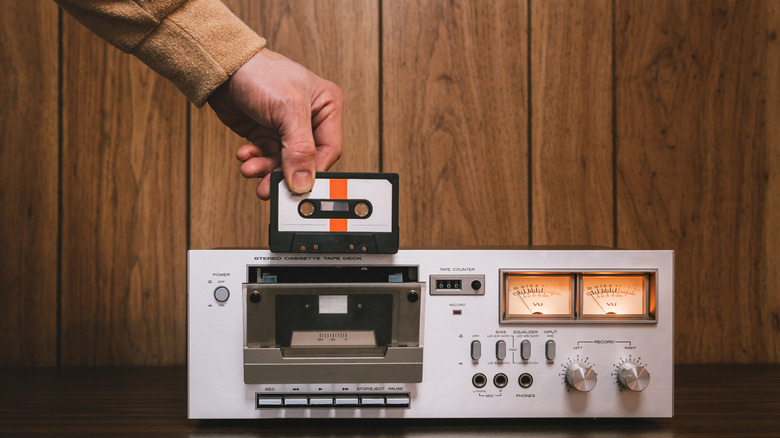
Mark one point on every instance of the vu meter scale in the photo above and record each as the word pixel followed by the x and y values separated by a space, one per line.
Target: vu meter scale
pixel 614 295
pixel 539 294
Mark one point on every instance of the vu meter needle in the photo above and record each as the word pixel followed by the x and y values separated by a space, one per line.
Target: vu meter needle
pixel 598 304
pixel 519 295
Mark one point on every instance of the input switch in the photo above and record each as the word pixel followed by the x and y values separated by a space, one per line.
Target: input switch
pixel 549 350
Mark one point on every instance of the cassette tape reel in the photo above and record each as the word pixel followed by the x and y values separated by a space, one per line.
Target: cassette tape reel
pixel 343 213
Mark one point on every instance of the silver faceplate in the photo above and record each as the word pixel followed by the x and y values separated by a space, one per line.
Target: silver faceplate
pixel 449 325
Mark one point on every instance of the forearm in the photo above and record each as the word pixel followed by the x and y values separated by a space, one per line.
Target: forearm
pixel 197 44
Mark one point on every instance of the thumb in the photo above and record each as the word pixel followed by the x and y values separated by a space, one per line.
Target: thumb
pixel 298 152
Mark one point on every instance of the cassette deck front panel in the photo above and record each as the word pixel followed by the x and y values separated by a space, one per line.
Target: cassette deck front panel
pixel 430 334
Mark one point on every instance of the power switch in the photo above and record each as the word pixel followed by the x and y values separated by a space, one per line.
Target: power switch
pixel 221 294
pixel 500 350
pixel 476 350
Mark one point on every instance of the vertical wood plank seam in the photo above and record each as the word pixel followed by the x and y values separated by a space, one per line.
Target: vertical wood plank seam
pixel 614 128
pixel 188 177
pixel 60 149
pixel 529 123
pixel 381 91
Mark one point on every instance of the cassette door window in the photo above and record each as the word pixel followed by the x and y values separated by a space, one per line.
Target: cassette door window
pixel 353 325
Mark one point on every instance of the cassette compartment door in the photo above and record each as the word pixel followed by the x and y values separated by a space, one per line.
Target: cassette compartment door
pixel 320 332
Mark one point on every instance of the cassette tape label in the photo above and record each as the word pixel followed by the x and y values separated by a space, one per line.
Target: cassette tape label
pixel 330 197
pixel 344 212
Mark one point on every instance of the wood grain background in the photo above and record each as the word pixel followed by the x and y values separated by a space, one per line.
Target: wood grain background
pixel 631 124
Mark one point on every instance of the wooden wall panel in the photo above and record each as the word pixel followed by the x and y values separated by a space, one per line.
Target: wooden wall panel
pixel 28 183
pixel 124 209
pixel 571 113
pixel 455 120
pixel 224 210
pixel 336 39
pixel 770 293
pixel 692 166
pixel 695 138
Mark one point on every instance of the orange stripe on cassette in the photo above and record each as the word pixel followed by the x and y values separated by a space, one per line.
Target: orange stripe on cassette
pixel 338 190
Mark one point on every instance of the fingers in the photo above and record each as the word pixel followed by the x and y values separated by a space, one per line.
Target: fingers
pixel 328 148
pixel 326 157
pixel 327 123
pixel 292 117
pixel 311 132
pixel 258 161
pixel 264 188
pixel 298 150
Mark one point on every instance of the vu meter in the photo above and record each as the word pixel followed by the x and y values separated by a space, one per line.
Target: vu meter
pixel 607 295
pixel 528 296
pixel 580 296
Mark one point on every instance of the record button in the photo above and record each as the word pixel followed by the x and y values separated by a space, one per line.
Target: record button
pixel 269 401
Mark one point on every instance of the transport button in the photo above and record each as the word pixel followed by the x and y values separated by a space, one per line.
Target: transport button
pixel 476 350
pixel 346 400
pixel 269 402
pixel 372 400
pixel 320 401
pixel 500 350
pixel 525 349
pixel 398 401
pixel 296 401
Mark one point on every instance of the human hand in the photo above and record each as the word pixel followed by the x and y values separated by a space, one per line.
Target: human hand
pixel 291 116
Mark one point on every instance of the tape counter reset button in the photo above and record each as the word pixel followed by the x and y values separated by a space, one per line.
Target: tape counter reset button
pixel 221 294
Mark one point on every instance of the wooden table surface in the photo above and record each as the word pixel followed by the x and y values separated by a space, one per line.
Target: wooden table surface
pixel 710 400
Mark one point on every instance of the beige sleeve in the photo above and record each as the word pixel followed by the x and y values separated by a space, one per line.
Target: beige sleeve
pixel 197 44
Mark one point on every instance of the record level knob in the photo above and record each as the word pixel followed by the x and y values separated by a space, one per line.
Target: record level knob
pixel 634 377
pixel 581 377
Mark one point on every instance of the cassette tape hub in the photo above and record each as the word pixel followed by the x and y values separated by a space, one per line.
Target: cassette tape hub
pixel 430 334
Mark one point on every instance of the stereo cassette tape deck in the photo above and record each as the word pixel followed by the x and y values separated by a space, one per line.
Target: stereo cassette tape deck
pixel 430 333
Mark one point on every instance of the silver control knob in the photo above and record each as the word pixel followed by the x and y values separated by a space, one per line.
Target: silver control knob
pixel 581 377
pixel 634 377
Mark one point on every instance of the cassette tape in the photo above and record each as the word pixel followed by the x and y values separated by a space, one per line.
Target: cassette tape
pixel 343 213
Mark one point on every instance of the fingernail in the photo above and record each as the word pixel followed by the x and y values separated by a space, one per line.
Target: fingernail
pixel 302 182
